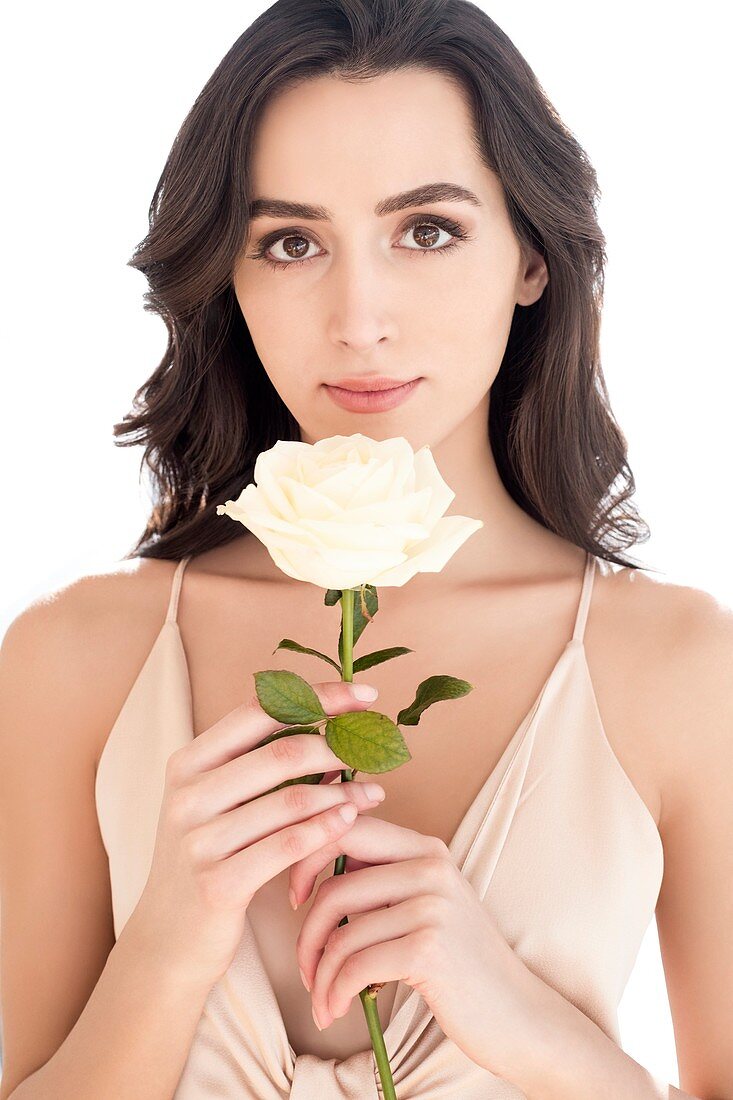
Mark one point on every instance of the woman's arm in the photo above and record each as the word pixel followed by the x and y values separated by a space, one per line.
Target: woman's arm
pixel 132 1038
pixel 82 1017
pixel 695 906
pixel 573 1059
pixel 576 1059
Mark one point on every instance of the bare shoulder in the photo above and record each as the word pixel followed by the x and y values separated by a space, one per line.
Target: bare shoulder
pixel 678 664
pixel 87 599
pixel 86 641
pixel 688 633
pixel 671 620
pixel 700 686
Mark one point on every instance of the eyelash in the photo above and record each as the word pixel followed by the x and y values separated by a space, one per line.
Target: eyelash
pixel 457 231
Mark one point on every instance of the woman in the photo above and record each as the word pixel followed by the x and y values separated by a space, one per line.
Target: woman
pixel 503 888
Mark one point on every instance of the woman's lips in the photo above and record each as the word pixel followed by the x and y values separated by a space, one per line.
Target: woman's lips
pixel 372 400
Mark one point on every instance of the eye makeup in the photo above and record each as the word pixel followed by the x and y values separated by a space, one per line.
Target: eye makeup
pixel 456 230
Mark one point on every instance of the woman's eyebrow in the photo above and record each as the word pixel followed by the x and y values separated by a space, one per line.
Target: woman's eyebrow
pixel 417 196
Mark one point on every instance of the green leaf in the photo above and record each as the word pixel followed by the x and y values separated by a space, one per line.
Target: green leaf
pixel 366 605
pixel 287 697
pixel 367 740
pixel 378 657
pixel 333 595
pixel 430 691
pixel 288 643
pixel 315 777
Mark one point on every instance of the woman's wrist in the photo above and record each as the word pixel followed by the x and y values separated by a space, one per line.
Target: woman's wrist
pixel 145 946
pixel 564 1055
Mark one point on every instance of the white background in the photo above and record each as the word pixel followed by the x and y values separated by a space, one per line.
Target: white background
pixel 92 99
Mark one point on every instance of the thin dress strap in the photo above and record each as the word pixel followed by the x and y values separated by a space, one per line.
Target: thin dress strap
pixel 171 617
pixel 585 595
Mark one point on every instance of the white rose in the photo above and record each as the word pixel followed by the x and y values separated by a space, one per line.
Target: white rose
pixel 351 510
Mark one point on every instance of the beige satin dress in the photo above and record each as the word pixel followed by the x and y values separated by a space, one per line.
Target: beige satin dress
pixel 558 844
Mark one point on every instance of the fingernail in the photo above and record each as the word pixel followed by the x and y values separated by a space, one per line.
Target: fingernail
pixel 374 791
pixel 304 979
pixel 291 895
pixel 315 1019
pixel 365 692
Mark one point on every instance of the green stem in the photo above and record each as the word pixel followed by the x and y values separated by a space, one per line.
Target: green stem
pixel 367 996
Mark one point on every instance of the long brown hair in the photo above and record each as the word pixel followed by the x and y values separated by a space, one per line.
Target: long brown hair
pixel 209 407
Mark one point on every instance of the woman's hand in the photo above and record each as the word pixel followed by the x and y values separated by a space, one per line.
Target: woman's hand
pixel 226 827
pixel 413 917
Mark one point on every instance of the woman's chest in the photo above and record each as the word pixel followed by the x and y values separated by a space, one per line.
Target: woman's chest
pixel 454 749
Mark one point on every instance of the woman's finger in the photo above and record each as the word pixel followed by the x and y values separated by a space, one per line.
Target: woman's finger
pixel 377 927
pixel 361 893
pixel 386 961
pixel 370 840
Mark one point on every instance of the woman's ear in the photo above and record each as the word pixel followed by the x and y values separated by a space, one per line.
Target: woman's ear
pixel 533 278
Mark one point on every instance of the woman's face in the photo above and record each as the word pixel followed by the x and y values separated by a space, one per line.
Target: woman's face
pixel 427 290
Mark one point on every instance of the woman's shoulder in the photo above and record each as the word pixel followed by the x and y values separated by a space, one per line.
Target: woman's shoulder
pixel 653 610
pixel 82 643
pixel 700 684
pixel 678 671
pixel 96 606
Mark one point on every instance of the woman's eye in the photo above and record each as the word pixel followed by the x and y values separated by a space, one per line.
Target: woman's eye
pixel 424 234
pixel 296 249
